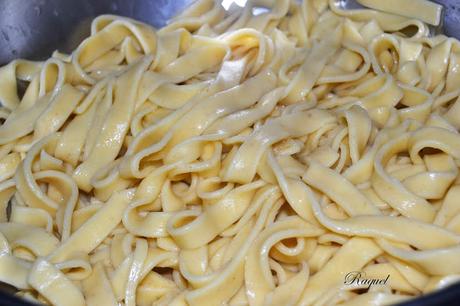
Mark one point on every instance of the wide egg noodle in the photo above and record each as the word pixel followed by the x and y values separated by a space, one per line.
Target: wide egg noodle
pixel 245 156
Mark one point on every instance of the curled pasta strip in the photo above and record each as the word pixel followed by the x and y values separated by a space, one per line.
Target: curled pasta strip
pixel 429 12
pixel 155 139
pixel 310 71
pixel 209 188
pixel 362 171
pixel 52 77
pixel 331 275
pixel 32 216
pixel 258 279
pixel 259 199
pixel 115 126
pixel 23 236
pixel 78 241
pixel 108 181
pixel 263 22
pixel 350 64
pixel 230 279
pixel 97 287
pixel 293 190
pixel 426 258
pixel 152 224
pixel 109 28
pixel 348 196
pixel 412 206
pixel 24 70
pixel 251 42
pixel 75 269
pixel 197 15
pixel 359 131
pixel 242 167
pixel 45 278
pixel 388 22
pixel 13 266
pixel 378 96
pixel 24 121
pixel 205 224
pixel 383 227
pixel 26 182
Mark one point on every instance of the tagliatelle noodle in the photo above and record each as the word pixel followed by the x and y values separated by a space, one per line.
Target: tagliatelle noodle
pixel 249 156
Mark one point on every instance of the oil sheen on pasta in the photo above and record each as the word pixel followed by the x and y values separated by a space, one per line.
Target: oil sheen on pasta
pixel 233 158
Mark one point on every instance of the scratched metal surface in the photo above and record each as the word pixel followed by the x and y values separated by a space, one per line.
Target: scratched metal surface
pixel 33 29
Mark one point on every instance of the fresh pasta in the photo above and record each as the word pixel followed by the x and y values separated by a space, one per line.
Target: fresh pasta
pixel 250 156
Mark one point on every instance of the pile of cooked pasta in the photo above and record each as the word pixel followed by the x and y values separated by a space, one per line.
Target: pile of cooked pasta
pixel 250 156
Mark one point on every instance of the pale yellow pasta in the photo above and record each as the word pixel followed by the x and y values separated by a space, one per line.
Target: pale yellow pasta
pixel 253 155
